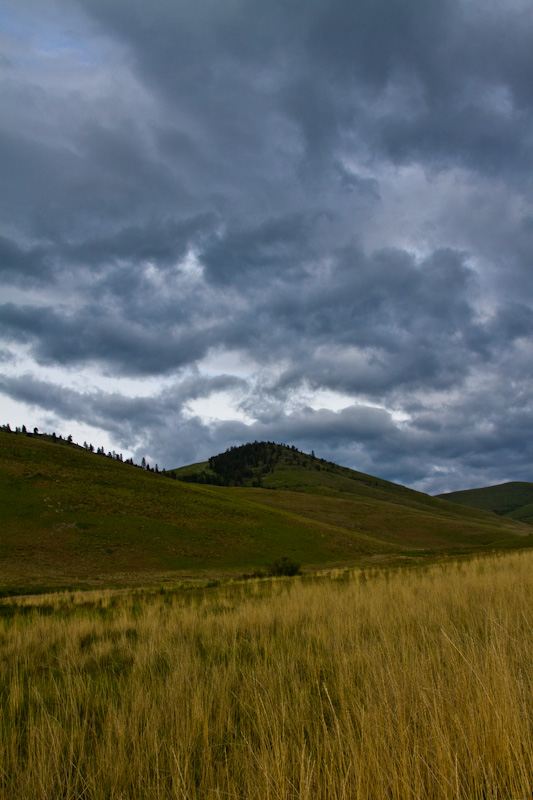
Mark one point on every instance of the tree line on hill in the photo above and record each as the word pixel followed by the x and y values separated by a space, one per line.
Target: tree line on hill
pixel 240 465
pixel 89 447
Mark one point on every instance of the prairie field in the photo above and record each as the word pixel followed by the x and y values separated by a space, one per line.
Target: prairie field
pixel 367 684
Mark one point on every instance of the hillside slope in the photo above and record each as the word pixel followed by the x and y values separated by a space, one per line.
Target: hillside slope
pixel 321 490
pixel 513 500
pixel 70 517
pixel 267 465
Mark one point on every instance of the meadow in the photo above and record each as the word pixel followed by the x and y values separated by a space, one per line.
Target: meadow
pixel 73 519
pixel 368 684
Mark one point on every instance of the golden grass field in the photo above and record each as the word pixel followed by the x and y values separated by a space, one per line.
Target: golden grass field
pixel 413 683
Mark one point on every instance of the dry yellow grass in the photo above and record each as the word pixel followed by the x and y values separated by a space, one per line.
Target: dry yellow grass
pixel 403 684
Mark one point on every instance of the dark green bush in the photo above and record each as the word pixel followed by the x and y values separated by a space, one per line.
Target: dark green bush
pixel 284 566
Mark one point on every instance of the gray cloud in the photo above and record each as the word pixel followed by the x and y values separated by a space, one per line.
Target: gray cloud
pixel 368 324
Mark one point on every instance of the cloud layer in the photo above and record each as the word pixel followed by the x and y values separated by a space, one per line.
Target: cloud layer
pixel 314 219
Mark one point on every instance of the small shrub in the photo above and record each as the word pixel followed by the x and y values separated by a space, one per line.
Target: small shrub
pixel 284 566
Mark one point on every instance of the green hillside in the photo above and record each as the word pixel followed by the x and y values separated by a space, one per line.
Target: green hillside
pixel 71 517
pixel 513 500
pixel 267 465
pixel 385 511
pixel 275 466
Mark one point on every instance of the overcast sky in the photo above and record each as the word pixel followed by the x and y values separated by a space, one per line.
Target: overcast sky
pixel 303 221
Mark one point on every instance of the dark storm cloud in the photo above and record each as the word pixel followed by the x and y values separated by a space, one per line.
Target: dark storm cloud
pixel 164 242
pixel 22 266
pixel 276 247
pixel 370 325
pixel 95 334
pixel 455 78
pixel 409 80
pixel 181 180
pixel 389 322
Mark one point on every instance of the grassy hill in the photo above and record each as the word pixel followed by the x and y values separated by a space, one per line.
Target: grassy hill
pixel 356 501
pixel 513 500
pixel 71 517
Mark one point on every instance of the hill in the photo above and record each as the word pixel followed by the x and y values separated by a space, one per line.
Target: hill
pixel 513 500
pixel 268 465
pixel 72 517
pixel 388 512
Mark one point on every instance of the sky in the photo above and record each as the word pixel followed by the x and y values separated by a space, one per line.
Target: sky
pixel 304 221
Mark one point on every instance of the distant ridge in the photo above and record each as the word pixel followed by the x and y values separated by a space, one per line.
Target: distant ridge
pixel 513 499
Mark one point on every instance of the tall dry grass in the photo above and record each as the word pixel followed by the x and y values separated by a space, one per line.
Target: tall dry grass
pixel 403 684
